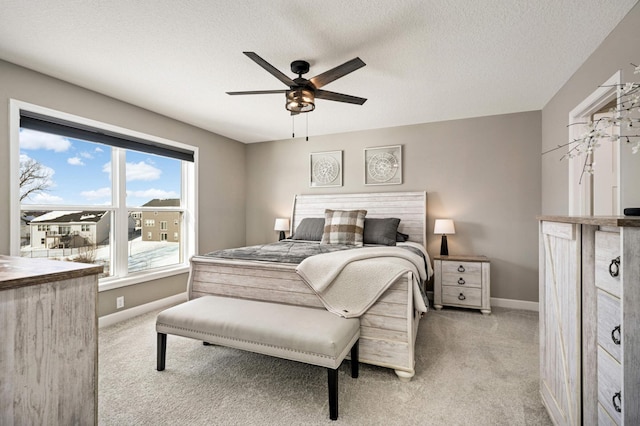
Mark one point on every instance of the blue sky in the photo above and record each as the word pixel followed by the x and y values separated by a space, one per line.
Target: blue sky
pixel 80 172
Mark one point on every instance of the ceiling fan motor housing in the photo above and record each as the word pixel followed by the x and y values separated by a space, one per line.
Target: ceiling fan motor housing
pixel 299 67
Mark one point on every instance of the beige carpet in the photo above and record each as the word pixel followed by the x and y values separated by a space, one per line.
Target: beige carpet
pixel 470 370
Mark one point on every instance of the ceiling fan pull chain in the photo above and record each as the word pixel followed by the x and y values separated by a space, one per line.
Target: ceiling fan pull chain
pixel 293 127
pixel 306 115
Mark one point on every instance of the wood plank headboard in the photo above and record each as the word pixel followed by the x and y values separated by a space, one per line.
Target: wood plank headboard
pixel 409 207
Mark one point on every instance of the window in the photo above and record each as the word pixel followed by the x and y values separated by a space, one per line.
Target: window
pixel 95 184
pixel 163 225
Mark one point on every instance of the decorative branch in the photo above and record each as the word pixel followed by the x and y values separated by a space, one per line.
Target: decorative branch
pixel 623 114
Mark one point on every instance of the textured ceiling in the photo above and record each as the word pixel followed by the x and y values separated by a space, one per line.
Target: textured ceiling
pixel 427 60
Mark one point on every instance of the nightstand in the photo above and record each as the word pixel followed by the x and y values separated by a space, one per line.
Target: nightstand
pixel 462 281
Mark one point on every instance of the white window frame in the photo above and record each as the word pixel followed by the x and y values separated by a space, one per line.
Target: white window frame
pixel 119 244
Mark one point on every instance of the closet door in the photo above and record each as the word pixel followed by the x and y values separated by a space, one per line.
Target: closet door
pixel 560 324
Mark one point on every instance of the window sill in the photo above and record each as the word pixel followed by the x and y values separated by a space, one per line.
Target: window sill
pixel 110 284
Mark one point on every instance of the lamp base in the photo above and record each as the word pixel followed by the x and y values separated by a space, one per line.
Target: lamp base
pixel 281 235
pixel 444 249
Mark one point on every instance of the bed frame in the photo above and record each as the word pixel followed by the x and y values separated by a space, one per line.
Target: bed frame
pixel 388 328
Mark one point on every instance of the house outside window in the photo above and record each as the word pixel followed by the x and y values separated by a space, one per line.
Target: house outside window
pixel 72 211
pixel 163 225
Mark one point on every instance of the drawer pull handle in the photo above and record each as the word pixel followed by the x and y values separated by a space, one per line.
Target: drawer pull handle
pixel 461 281
pixel 614 267
pixel 615 335
pixel 617 406
pixel 461 297
pixel 460 268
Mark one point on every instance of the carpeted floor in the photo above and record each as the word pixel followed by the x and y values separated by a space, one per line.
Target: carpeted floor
pixel 470 370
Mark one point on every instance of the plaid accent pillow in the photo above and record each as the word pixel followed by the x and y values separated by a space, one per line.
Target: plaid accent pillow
pixel 343 227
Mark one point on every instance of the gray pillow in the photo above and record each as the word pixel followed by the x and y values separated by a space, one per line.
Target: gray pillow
pixel 310 229
pixel 401 238
pixel 381 231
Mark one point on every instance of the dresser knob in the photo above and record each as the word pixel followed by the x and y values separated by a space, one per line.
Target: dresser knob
pixel 460 268
pixel 614 267
pixel 461 281
pixel 617 406
pixel 461 297
pixel 615 335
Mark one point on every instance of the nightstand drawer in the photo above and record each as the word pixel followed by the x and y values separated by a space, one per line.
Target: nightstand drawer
pixel 456 268
pixel 461 296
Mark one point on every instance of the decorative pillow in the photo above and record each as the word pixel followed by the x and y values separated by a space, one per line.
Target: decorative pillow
pixel 309 229
pixel 401 238
pixel 343 227
pixel 381 231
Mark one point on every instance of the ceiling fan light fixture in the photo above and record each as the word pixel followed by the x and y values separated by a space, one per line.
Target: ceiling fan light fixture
pixel 300 100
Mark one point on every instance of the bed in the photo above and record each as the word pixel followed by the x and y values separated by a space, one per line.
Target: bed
pixel 388 326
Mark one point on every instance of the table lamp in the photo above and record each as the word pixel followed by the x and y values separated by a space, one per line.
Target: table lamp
pixel 282 224
pixel 444 227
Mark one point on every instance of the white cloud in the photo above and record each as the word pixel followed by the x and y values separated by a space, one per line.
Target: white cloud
pixel 75 161
pixel 97 193
pixel 86 155
pixel 98 149
pixel 142 171
pixel 153 193
pixel 44 198
pixel 30 139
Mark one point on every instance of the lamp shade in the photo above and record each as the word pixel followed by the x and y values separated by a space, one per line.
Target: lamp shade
pixel 282 224
pixel 444 227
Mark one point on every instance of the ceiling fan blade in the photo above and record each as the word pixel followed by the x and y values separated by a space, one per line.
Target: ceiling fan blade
pixel 337 72
pixel 270 68
pixel 339 97
pixel 257 92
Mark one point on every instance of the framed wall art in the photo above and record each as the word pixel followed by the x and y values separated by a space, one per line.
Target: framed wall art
pixel 383 165
pixel 325 169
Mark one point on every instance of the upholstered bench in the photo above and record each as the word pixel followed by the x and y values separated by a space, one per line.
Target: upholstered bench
pixel 308 335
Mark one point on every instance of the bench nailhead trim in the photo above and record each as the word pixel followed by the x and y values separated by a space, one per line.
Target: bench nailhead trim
pixel 246 341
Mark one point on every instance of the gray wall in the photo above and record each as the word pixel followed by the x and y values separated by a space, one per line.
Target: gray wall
pixel 617 51
pixel 482 172
pixel 221 197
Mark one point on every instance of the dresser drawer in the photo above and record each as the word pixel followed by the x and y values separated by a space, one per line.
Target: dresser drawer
pixel 462 273
pixel 461 296
pixel 609 320
pixel 609 384
pixel 607 254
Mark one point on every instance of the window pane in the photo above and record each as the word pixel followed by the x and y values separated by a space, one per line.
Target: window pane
pixel 149 245
pixel 77 236
pixel 63 171
pixel 152 177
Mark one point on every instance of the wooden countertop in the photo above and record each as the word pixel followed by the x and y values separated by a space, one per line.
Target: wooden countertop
pixel 21 272
pixel 633 221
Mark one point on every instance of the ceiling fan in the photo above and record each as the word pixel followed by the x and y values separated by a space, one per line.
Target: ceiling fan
pixel 302 93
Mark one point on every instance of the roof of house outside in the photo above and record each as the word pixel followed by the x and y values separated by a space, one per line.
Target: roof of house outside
pixel 166 202
pixel 70 217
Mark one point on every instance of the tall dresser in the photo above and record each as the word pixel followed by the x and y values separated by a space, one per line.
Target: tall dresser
pixel 590 319
pixel 48 342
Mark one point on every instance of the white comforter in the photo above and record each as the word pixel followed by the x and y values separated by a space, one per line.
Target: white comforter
pixel 349 282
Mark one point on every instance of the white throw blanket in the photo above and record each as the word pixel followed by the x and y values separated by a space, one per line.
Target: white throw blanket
pixel 349 282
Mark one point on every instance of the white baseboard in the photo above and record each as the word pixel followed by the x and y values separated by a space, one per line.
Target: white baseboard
pixel 117 317
pixel 514 304
pixel 505 303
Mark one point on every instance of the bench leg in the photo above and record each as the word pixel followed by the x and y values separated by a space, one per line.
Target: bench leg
pixel 355 363
pixel 333 393
pixel 162 350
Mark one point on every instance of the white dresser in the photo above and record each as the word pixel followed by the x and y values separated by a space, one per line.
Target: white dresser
pixel 590 319
pixel 48 342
